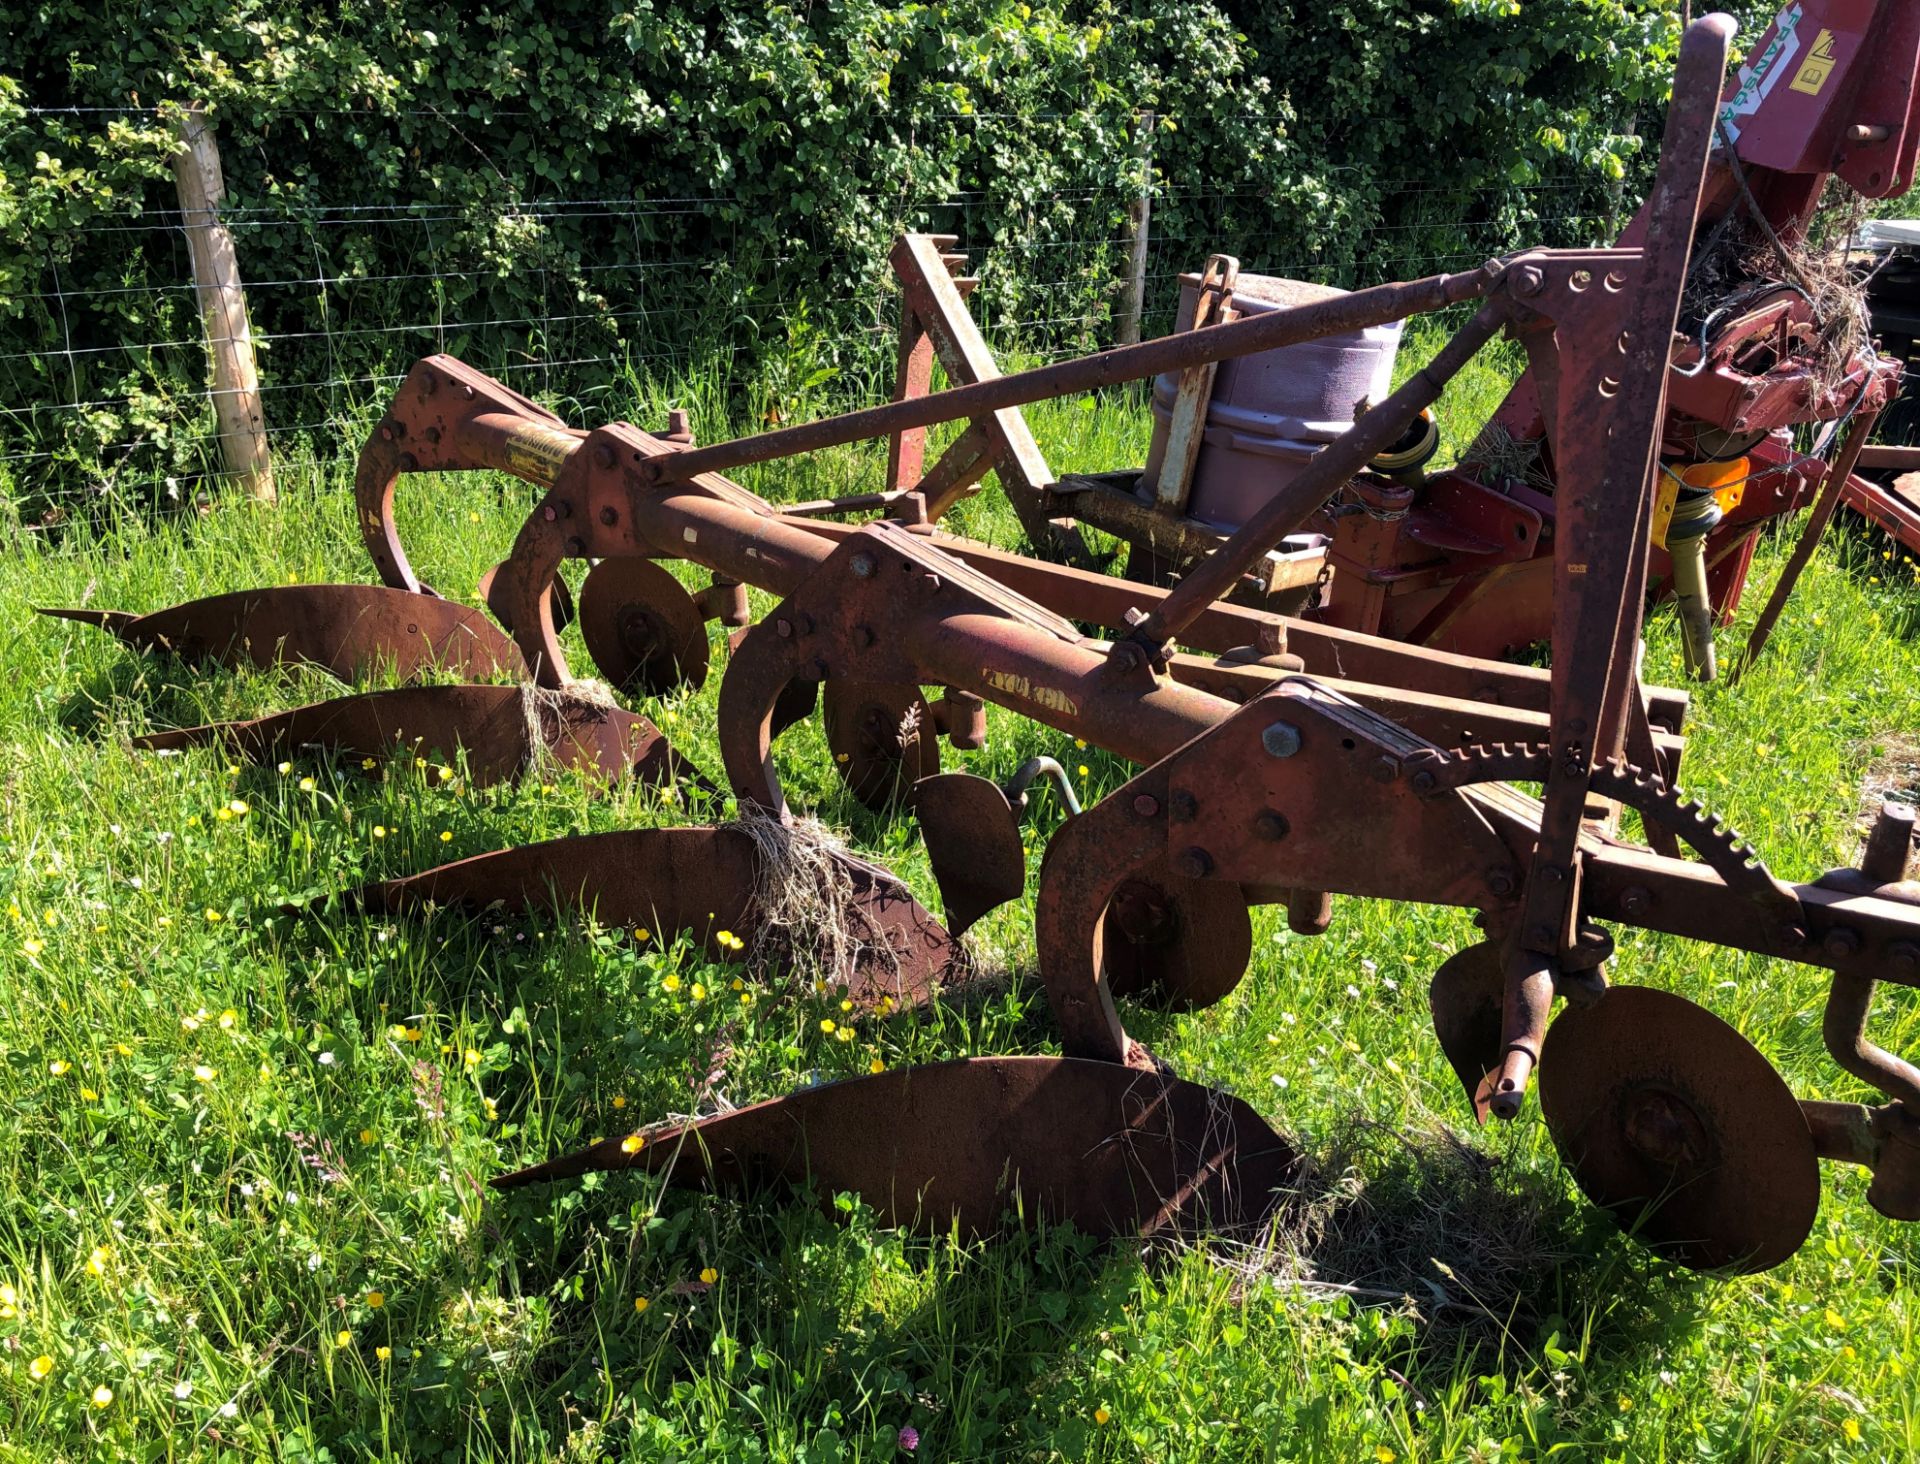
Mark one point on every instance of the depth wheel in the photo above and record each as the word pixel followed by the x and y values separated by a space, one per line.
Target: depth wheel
pixel 882 739
pixel 1676 1123
pixel 1178 943
pixel 642 628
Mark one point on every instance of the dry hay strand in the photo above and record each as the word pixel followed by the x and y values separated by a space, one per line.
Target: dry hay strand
pixel 1417 1220
pixel 545 713
pixel 804 899
pixel 1508 458
pixel 1743 259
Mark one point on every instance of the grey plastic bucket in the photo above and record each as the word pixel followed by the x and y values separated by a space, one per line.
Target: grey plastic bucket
pixel 1271 412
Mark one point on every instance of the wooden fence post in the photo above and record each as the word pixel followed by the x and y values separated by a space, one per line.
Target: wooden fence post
pixel 223 308
pixel 1133 301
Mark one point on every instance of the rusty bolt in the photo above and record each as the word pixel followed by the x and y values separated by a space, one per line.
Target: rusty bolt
pixel 1386 769
pixel 1500 881
pixel 1529 281
pixel 1125 656
pixel 1281 739
pixel 577 547
pixel 1146 805
pixel 609 515
pixel 863 566
pixel 1196 863
pixel 430 385
pixel 1424 781
pixel 1841 942
pixel 1270 825
pixel 1133 615
pixel 603 455
pixel 863 636
pixel 409 463
pixel 1635 901
pixel 556 509
pixel 783 627
pixel 1184 805
pixel 1903 958
pixel 386 432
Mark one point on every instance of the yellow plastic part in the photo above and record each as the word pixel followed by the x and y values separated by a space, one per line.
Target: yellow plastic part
pixel 1728 480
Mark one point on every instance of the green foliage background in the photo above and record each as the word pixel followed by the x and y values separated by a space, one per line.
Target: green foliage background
pixel 560 187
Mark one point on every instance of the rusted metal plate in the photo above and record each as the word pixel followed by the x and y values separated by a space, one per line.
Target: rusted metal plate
pixel 882 739
pixel 490 724
pixel 1466 997
pixel 1114 1150
pixel 1182 943
pixel 345 629
pixel 1675 1122
pixel 642 628
pixel 973 843
pixel 700 880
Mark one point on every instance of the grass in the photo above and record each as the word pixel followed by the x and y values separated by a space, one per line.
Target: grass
pixel 242 1153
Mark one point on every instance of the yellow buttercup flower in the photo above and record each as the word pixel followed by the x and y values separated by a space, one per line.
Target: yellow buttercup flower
pixel 446 836
pixel 876 1066
pixel 9 1300
pixel 33 947
pixel 619 1100
pixel 102 1396
pixel 698 992
pixel 203 1074
pixel 228 1018
pixel 1100 1415
pixel 376 1299
pixel 97 1261
pixel 826 1024
pixel 306 785
pixel 709 1275
pixel 640 1303
pixel 284 769
pixel 632 1144
pixel 342 1338
pixel 670 983
pixel 471 1058
pixel 383 1353
pixel 59 1067
pixel 41 1368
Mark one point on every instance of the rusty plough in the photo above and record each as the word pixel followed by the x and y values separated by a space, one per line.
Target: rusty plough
pixel 1281 761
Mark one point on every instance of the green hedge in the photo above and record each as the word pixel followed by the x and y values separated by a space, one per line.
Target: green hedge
pixel 562 182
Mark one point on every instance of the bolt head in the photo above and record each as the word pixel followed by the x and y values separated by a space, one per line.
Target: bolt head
pixel 783 628
pixel 864 566
pixel 1386 769
pixel 609 516
pixel 1281 739
pixel 1841 942
pixel 603 455
pixel 1500 881
pixel 1146 805
pixel 1194 864
pixel 1424 781
pixel 1636 901
pixel 863 636
pixel 1271 825
pixel 1185 805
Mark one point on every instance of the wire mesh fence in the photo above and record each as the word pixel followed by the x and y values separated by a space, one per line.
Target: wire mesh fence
pixel 106 388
